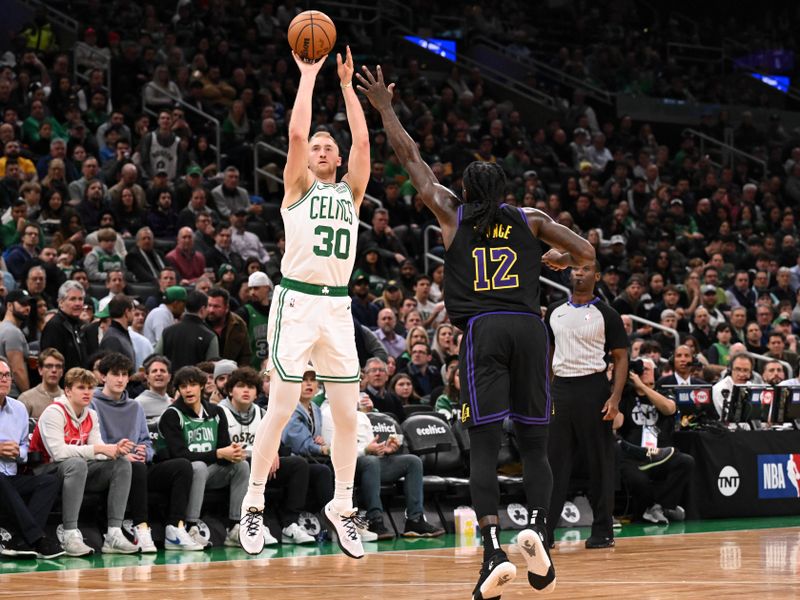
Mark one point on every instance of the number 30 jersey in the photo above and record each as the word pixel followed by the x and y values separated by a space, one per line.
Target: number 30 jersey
pixel 498 273
pixel 321 234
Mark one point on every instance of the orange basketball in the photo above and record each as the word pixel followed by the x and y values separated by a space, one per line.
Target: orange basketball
pixel 312 35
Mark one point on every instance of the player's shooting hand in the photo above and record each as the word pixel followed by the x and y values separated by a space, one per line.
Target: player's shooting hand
pixel 555 260
pixel 345 69
pixel 374 89
pixel 308 68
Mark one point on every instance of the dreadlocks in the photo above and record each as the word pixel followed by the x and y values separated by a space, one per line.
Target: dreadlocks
pixel 485 183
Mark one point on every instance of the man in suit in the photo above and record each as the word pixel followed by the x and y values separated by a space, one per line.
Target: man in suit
pixel 144 261
pixel 682 375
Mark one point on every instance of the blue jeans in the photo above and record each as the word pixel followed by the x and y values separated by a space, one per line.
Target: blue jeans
pixel 375 470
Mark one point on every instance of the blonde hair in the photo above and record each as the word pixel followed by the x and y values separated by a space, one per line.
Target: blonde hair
pixel 77 375
pixel 325 134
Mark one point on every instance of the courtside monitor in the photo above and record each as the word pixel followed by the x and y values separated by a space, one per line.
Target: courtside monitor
pixel 693 399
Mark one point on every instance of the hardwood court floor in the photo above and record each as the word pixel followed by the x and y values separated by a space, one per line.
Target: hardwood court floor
pixel 756 563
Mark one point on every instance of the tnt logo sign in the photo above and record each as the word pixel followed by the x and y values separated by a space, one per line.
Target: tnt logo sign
pixel 779 476
pixel 728 481
pixel 701 396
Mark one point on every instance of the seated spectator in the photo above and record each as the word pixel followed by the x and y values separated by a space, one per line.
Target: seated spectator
pixel 384 400
pixel 777 350
pixel 167 312
pixel 363 309
pixel 103 258
pixel 719 352
pixel 145 262
pixel 115 284
pixel 128 178
pixel 154 399
pixel 172 342
pixel 229 327
pixel 92 204
pixel 646 419
pixel 198 205
pixel 387 334
pixel 53 210
pixel 740 373
pixel 290 472
pixel 229 197
pixel 26 499
pixel 90 171
pixel 162 218
pixel 203 235
pixel 385 462
pixel 188 262
pixel 449 403
pixel 195 430
pixel 51 368
pixel 443 346
pixel 160 151
pixel 223 253
pixel 246 243
pixel 128 214
pixel 13 345
pixel 303 432
pixel 424 375
pixel 122 418
pixel 402 387
pixel 682 374
pixel 20 256
pixel 68 438
pixel 12 153
pixel 63 331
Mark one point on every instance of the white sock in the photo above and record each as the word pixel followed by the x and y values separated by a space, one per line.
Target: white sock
pixel 253 499
pixel 343 497
pixel 114 531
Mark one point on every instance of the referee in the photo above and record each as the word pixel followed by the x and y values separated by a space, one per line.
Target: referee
pixel 584 329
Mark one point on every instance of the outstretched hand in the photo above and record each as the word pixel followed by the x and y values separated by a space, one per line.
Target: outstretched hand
pixel 308 68
pixel 345 69
pixel 374 88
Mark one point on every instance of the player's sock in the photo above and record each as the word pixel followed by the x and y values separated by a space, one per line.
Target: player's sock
pixel 343 398
pixel 491 541
pixel 343 497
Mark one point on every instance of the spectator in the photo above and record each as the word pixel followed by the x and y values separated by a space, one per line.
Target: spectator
pixel 13 345
pixel 144 262
pixel 173 341
pixel 449 403
pixel 166 314
pixel 102 259
pixel 303 433
pixel 154 399
pixel 203 235
pixel 383 400
pixel 740 372
pixel 381 235
pixel 63 331
pixel 245 243
pixel 364 310
pixel 229 197
pixel 162 218
pixel 93 204
pixel 51 369
pixel 115 284
pixel 424 376
pixel 21 256
pixel 216 461
pixel 719 352
pixel 682 374
pixel 291 472
pixel 255 314
pixel 197 206
pixel 90 170
pixel 68 438
pixel 432 313
pixel 117 338
pixel 223 253
pixel 27 519
pixel 776 344
pixel 387 334
pixel 188 262
pixel 229 327
pixel 160 150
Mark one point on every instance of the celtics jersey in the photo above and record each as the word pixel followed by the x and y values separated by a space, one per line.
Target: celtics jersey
pixel 200 434
pixel 257 325
pixel 321 234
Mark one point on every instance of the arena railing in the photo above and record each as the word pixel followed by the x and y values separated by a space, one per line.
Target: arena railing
pixel 259 171
pixel 727 151
pixel 53 14
pixel 538 66
pixel 82 73
pixel 186 106
pixel 766 359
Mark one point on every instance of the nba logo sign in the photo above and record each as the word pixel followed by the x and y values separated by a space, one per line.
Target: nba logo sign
pixel 778 476
pixel 701 396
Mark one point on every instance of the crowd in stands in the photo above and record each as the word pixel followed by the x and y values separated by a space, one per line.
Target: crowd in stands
pixel 122 237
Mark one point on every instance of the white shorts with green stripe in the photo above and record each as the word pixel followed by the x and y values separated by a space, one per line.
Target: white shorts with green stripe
pixel 305 327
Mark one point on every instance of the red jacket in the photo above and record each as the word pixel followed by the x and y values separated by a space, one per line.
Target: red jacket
pixel 189 268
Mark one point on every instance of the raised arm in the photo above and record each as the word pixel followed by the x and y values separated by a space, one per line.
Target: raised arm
pixel 296 176
pixel 358 165
pixel 442 202
pixel 569 249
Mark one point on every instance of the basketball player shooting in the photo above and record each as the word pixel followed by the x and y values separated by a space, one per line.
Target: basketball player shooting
pixel 493 258
pixel 310 316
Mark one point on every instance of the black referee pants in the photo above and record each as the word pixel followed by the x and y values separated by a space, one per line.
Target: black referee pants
pixel 578 433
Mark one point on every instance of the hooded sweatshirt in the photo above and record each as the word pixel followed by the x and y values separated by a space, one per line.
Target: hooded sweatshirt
pixel 61 434
pixel 122 419
pixel 153 404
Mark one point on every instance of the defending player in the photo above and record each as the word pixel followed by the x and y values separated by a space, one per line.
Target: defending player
pixel 492 262
pixel 310 314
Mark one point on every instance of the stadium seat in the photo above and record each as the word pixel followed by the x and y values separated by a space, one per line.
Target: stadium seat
pixel 142 290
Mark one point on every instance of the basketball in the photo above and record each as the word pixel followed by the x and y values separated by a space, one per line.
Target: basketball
pixel 312 35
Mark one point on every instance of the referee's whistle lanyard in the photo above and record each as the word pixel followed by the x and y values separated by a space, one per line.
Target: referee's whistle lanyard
pixel 594 300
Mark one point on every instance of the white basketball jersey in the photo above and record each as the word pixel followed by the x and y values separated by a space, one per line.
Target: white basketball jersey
pixel 321 234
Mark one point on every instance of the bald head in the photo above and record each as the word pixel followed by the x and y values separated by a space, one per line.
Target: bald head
pixel 185 239
pixel 387 321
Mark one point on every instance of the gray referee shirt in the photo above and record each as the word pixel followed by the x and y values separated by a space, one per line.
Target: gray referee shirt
pixel 582 335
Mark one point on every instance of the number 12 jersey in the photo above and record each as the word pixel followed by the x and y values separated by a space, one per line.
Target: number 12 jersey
pixel 321 234
pixel 498 273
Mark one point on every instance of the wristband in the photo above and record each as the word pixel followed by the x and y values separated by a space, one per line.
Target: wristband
pixel 346 85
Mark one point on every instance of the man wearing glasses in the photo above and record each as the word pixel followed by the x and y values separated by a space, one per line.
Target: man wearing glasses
pixel 51 369
pixel 20 256
pixel 740 372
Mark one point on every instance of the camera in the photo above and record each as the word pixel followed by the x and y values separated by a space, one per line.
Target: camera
pixel 636 366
